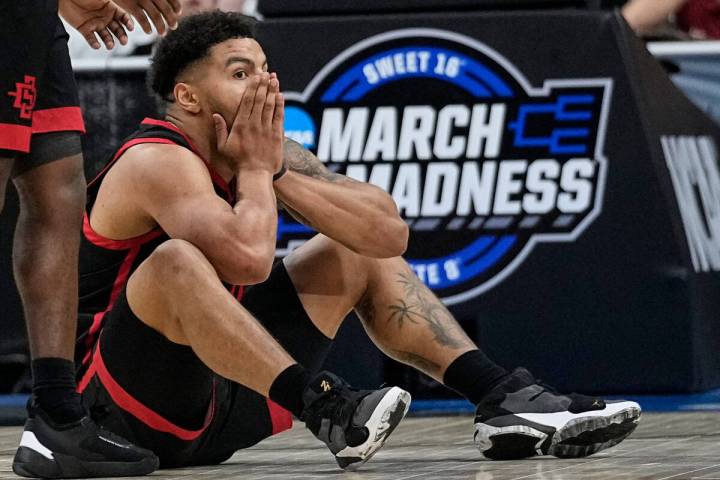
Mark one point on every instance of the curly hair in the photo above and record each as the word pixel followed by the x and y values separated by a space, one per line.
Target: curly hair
pixel 190 42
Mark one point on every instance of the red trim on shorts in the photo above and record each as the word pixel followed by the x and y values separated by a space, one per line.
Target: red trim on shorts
pixel 96 239
pixel 89 374
pixel 216 178
pixel 62 119
pixel 281 418
pixel 15 137
pixel 120 280
pixel 147 416
pixel 123 149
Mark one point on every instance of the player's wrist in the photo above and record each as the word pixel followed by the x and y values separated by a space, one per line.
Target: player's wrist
pixel 280 173
pixel 259 173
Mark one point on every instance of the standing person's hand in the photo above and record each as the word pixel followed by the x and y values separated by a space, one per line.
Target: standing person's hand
pixel 255 138
pixel 93 18
pixel 161 12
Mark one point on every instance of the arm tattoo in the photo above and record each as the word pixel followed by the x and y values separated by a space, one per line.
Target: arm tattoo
pixel 300 160
pixel 419 306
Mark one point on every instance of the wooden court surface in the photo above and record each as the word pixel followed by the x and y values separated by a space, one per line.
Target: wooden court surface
pixel 665 446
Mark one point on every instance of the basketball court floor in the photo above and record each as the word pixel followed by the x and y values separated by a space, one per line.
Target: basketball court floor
pixel 664 446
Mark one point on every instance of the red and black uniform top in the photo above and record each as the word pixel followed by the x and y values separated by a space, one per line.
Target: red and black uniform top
pixel 106 264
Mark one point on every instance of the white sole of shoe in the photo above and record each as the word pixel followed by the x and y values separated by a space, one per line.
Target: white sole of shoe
pixel 387 415
pixel 562 434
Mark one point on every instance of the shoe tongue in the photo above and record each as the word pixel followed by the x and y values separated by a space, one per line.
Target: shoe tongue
pixel 324 382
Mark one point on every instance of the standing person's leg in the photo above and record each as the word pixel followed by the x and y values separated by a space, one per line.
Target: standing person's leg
pixel 59 439
pixel 515 418
pixel 51 194
pixel 45 259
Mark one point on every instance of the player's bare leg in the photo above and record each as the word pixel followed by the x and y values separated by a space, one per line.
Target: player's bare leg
pixel 45 253
pixel 410 324
pixel 401 315
pixel 177 292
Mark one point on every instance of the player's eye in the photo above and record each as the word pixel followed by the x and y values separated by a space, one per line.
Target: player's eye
pixel 242 75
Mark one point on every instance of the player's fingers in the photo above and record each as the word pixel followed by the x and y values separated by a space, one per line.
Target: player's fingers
pixel 167 12
pixel 246 103
pixel 139 15
pixel 221 130
pixel 117 29
pixel 273 83
pixel 155 16
pixel 176 5
pixel 90 38
pixel 279 116
pixel 107 39
pixel 125 20
pixel 269 107
pixel 260 96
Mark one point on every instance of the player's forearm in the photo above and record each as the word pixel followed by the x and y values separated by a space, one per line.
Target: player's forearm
pixel 360 216
pixel 256 215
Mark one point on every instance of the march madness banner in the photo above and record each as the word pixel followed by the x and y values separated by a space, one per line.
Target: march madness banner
pixel 560 191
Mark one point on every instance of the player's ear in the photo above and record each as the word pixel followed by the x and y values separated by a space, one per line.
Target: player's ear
pixel 186 97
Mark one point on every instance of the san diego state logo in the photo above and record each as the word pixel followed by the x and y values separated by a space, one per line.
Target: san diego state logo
pixel 482 165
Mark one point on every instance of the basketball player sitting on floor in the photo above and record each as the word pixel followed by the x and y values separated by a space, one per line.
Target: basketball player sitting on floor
pixel 180 358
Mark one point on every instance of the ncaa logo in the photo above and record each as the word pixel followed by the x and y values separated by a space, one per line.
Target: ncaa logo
pixel 482 165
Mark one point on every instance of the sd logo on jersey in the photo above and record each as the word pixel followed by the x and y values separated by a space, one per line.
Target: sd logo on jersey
pixel 481 164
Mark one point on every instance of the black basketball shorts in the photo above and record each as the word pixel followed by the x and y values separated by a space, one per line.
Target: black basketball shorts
pixel 159 395
pixel 37 87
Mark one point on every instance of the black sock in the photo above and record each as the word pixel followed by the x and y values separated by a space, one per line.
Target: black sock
pixel 287 389
pixel 473 375
pixel 54 389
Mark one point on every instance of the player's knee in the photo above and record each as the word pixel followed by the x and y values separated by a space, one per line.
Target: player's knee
pixel 178 259
pixel 61 212
pixel 57 194
pixel 346 261
pixel 352 261
pixel 72 193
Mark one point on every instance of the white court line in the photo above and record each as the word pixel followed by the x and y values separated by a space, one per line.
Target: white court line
pixel 691 471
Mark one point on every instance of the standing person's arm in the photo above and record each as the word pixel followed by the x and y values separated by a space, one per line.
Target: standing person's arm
pixel 105 18
pixel 97 18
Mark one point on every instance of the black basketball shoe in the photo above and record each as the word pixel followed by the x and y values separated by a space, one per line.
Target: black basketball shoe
pixel 79 449
pixel 520 418
pixel 353 423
